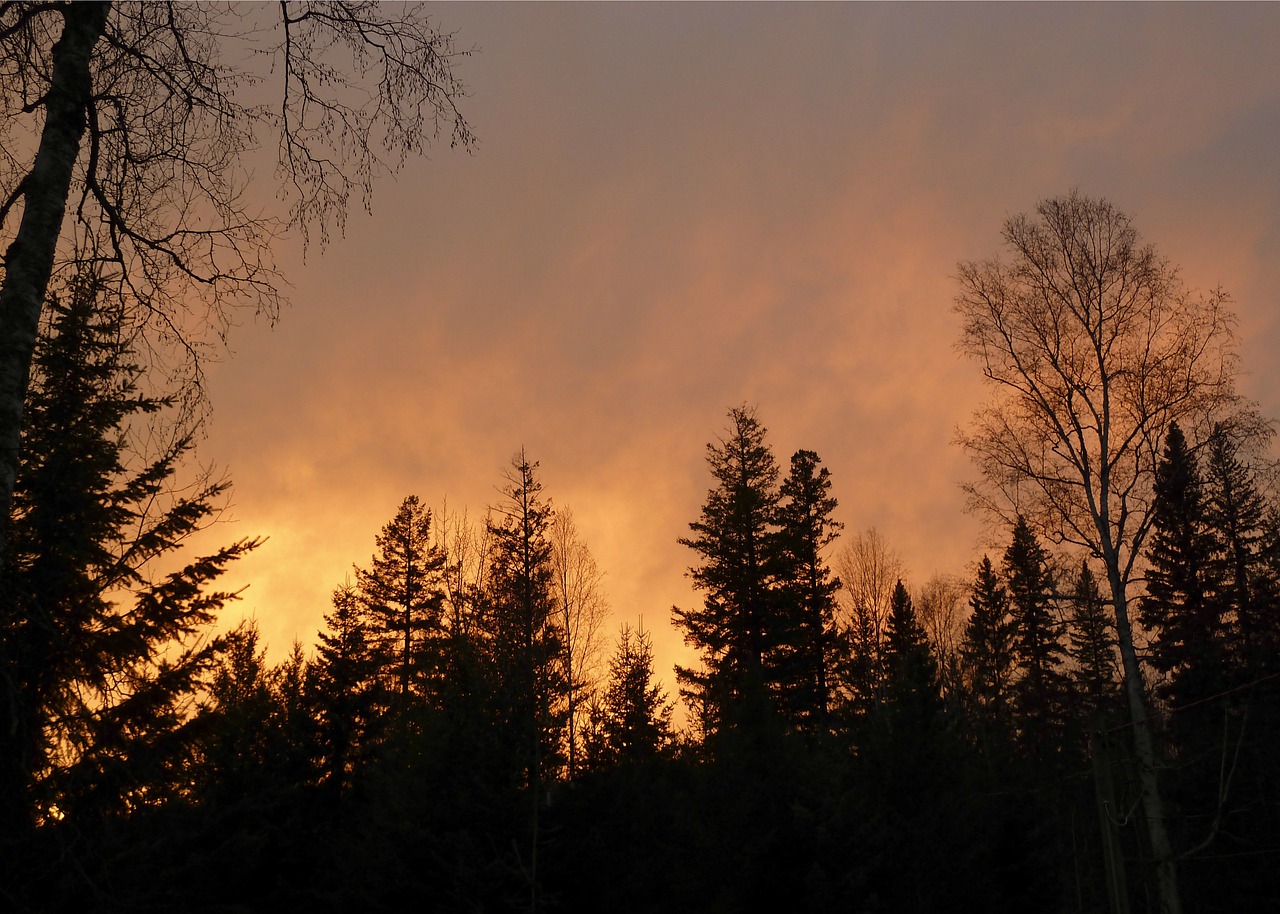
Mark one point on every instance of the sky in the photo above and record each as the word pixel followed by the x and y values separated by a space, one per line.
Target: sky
pixel 674 209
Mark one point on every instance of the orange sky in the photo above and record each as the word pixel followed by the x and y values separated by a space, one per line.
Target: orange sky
pixel 674 209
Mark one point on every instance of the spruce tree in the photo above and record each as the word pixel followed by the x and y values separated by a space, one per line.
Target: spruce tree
pixel 102 655
pixel 987 649
pixel 346 692
pixel 860 666
pixel 1095 676
pixel 524 640
pixel 238 723
pixel 910 665
pixel 1208 609
pixel 296 744
pixel 1039 691
pixel 1245 721
pixel 403 594
pixel 631 720
pixel 807 592
pixel 1182 609
pixel 738 630
pixel 1235 514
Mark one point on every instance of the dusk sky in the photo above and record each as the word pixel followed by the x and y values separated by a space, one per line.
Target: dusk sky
pixel 676 209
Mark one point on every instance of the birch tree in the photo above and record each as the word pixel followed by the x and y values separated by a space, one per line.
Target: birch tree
pixel 869 568
pixel 1092 347
pixel 583 609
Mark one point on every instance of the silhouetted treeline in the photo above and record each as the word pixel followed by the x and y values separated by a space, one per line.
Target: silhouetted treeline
pixel 455 742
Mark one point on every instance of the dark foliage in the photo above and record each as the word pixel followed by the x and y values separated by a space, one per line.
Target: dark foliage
pixel 414 761
pixel 812 648
pixel 738 630
pixel 1040 689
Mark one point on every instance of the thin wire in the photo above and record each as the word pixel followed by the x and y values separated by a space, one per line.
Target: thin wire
pixel 1200 701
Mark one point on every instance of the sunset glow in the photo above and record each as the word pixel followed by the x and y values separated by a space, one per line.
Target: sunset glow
pixel 676 209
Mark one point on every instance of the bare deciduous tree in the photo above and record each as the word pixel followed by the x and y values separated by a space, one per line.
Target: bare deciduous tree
pixel 583 610
pixel 466 549
pixel 125 131
pixel 940 604
pixel 869 569
pixel 1094 347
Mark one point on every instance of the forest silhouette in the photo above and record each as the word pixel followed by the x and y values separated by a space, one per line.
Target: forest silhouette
pixel 935 750
pixel 1087 722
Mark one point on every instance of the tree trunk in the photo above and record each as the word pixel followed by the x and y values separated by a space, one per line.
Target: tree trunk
pixel 28 264
pixel 1144 751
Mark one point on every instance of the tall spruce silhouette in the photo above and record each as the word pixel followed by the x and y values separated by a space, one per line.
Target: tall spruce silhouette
pixel 403 594
pixel 807 592
pixel 346 691
pixel 738 628
pixel 912 683
pixel 987 652
pixel 524 639
pixel 1095 673
pixel 1182 608
pixel 630 720
pixel 1237 517
pixel 1039 691
pixel 103 652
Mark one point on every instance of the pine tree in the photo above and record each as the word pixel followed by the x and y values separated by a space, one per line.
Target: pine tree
pixel 402 591
pixel 238 723
pixel 297 730
pixel 1182 609
pixel 1039 691
pixel 859 667
pixel 1095 676
pixel 101 656
pixel 346 692
pixel 987 649
pixel 808 588
pixel 1208 608
pixel 910 666
pixel 1235 514
pixel 631 721
pixel 524 638
pixel 737 630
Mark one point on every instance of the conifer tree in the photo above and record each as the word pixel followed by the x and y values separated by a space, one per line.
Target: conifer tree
pixel 255 738
pixel 1210 611
pixel 987 649
pixel 297 743
pixel 808 590
pixel 1236 516
pixel 631 721
pixel 238 723
pixel 524 638
pixel 1095 676
pixel 738 629
pixel 911 668
pixel 1182 609
pixel 345 691
pixel 99 655
pixel 402 592
pixel 1039 691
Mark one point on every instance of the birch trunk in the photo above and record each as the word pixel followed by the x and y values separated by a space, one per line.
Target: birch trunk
pixel 1144 749
pixel 28 263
